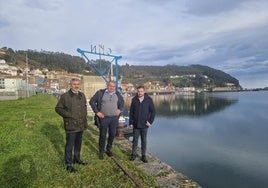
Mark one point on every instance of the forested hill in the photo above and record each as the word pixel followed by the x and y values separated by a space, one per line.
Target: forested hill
pixel 182 75
pixel 44 59
pixel 196 75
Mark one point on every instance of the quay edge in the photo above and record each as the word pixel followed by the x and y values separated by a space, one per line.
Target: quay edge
pixel 163 173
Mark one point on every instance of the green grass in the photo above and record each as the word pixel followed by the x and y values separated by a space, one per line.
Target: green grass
pixel 32 142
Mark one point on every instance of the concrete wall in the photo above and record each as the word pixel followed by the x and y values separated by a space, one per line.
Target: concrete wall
pixel 91 84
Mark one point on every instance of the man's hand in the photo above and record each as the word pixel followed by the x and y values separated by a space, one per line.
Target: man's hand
pixel 118 112
pixel 148 124
pixel 131 126
pixel 100 115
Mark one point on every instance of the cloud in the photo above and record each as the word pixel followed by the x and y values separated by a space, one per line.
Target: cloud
pixel 213 33
pixel 43 5
pixel 212 7
pixel 3 22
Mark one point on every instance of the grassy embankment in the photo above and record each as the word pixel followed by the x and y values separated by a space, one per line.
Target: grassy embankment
pixel 32 142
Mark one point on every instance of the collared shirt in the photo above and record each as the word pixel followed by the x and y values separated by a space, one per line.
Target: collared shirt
pixel 141 99
pixel 106 91
pixel 75 92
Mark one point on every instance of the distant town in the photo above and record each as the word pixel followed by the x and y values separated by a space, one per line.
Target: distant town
pixel 21 81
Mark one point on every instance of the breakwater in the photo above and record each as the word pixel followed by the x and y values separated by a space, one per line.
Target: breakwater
pixel 164 174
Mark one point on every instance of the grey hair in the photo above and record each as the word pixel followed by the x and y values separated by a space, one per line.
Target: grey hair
pixel 74 79
pixel 109 82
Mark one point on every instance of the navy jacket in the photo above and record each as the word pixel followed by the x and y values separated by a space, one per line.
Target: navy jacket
pixel 140 113
pixel 95 103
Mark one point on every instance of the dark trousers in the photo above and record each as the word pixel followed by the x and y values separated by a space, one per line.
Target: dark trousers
pixel 136 134
pixel 73 141
pixel 108 124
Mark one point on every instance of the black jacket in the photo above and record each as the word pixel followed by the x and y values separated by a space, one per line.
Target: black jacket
pixel 142 112
pixel 73 110
pixel 95 103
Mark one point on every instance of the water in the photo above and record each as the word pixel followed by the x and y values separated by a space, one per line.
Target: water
pixel 217 139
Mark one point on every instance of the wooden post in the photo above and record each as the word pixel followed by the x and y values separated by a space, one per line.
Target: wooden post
pixel 120 130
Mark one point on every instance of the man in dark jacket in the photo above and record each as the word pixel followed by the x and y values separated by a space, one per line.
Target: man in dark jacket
pixel 141 117
pixel 107 105
pixel 72 107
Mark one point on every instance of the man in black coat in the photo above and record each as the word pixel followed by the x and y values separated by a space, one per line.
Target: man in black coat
pixel 72 107
pixel 141 117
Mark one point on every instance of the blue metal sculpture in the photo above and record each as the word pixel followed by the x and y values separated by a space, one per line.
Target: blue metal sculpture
pixel 105 71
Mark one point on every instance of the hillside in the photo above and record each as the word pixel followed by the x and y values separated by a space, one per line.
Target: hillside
pixel 182 76
pixel 179 76
pixel 44 59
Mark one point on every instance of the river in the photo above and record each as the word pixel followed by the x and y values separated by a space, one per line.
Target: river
pixel 217 139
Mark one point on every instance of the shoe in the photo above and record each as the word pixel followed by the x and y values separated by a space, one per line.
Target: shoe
pixel 71 169
pixel 109 153
pixel 80 162
pixel 101 156
pixel 132 157
pixel 144 159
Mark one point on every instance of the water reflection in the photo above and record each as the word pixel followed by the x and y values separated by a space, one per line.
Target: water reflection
pixel 223 149
pixel 188 105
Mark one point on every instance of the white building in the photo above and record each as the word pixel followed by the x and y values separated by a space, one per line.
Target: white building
pixel 2 61
pixel 14 87
pixel 11 70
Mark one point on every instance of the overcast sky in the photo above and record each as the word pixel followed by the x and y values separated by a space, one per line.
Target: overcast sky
pixel 230 35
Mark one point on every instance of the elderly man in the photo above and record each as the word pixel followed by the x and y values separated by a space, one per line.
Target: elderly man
pixel 107 105
pixel 72 107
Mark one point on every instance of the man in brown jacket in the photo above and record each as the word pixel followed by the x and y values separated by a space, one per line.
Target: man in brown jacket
pixel 72 108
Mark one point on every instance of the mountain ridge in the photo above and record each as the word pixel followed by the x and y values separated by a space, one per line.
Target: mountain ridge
pixel 179 76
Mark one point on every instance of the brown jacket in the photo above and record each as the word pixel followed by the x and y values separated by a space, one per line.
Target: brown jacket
pixel 73 109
